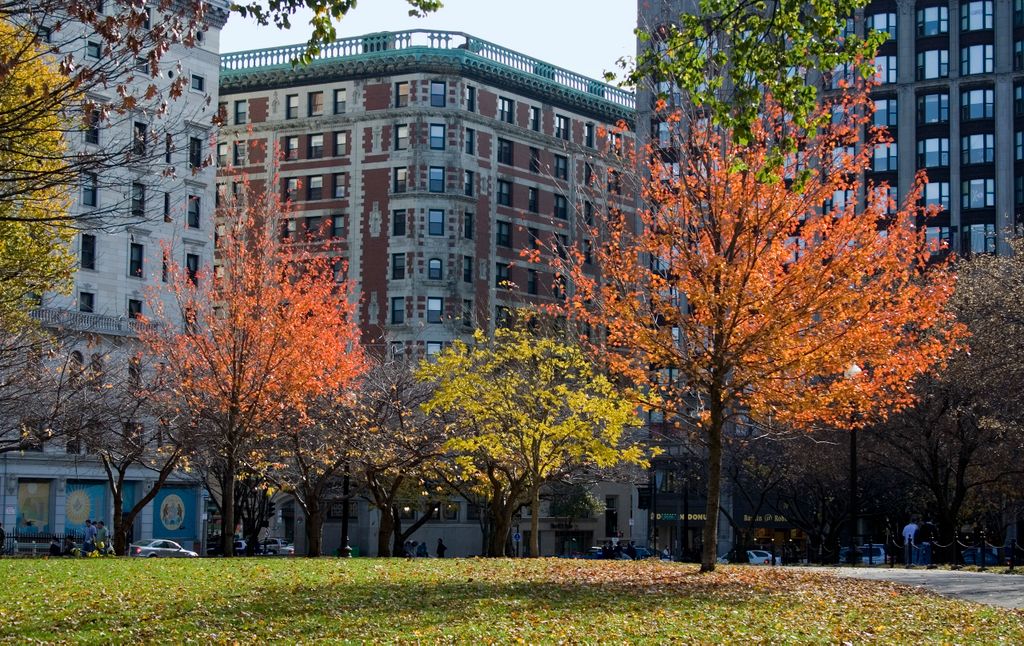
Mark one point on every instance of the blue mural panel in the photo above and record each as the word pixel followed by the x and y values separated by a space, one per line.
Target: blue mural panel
pixel 174 513
pixel 84 500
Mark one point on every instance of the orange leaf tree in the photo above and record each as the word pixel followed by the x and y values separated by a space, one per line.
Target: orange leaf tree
pixel 264 334
pixel 747 285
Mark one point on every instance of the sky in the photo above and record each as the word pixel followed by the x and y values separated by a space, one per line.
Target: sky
pixel 583 36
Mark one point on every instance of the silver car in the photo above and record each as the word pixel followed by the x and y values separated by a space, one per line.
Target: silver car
pixel 154 547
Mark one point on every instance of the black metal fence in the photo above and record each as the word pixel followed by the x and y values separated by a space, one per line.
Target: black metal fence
pixel 961 550
pixel 37 544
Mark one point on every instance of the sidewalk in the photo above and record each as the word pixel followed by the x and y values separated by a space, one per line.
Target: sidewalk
pixel 1002 590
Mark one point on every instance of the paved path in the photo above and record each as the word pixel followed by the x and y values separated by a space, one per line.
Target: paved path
pixel 1003 590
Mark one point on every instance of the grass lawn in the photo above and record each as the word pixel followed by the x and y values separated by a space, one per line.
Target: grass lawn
pixel 430 600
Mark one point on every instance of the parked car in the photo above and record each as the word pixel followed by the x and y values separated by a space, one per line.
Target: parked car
pixel 866 554
pixel 158 547
pixel 276 546
pixel 974 556
pixel 759 557
pixel 215 550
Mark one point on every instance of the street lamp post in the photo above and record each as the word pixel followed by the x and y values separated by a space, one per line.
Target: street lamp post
pixel 346 550
pixel 850 374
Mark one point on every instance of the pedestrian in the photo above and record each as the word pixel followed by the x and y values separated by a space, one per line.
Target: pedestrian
pixel 631 551
pixel 909 535
pixel 89 544
pixel 421 550
pixel 407 548
pixel 617 550
pixel 54 547
pixel 666 555
pixel 69 547
pixel 441 548
pixel 102 538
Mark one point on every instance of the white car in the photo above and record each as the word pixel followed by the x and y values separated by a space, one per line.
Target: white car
pixel 154 547
pixel 759 557
pixel 277 546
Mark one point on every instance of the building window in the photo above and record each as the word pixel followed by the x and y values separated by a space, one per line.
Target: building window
pixel 588 135
pixel 198 83
pixel 976 149
pixel 315 187
pixel 435 179
pixel 885 69
pixel 192 267
pixel 977 193
pixel 401 136
pixel 503 234
pixel 467 225
pixel 531 200
pixel 1018 100
pixel 238 153
pixel 438 94
pixel 1018 55
pixel 562 127
pixel 885 113
pixel 139 139
pixel 1018 146
pixel 399 180
pixel 467 269
pixel 976 104
pixel 87 255
pixel 976 59
pixel 975 16
pixel 315 104
pixel 535 118
pixel 92 127
pixel 588 213
pixel 167 206
pixel 467 182
pixel 90 189
pixel 339 185
pixel 534 160
pixel 437 136
pixel 291 148
pixel 337 226
pixel 291 187
pixel 506 110
pixel 136 257
pixel 504 192
pixel 434 269
pixel 531 281
pixel 434 309
pixel 434 348
pixel 505 152
pixel 291 106
pixel 979 238
pixel 562 207
pixel 134 308
pixel 93 50
pixel 397 310
pixel 884 157
pixel 315 147
pixel 470 141
pixel 501 274
pixel 401 94
pixel 435 222
pixel 932 21
pixel 195 152
pixel 933 64
pixel 340 144
pixel 561 167
pixel 340 100
pixel 397 266
pixel 1018 13
pixel 138 199
pixel 192 217
pixel 883 22
pixel 936 194
pixel 241 112
pixel 467 312
pixel 398 223
pixel 86 302
pixel 470 98
pixel 933 153
pixel 933 108
pixel 534 238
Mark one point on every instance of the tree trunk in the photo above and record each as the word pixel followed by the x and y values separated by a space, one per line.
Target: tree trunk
pixel 709 555
pixel 535 522
pixel 384 532
pixel 120 531
pixel 397 544
pixel 498 539
pixel 314 531
pixel 227 510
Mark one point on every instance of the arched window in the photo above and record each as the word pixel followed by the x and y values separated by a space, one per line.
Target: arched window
pixel 434 269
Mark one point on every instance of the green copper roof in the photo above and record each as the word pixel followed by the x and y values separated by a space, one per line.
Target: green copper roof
pixel 422 50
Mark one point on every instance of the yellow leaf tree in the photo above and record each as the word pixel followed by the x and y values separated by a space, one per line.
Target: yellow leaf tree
pixel 34 252
pixel 531 410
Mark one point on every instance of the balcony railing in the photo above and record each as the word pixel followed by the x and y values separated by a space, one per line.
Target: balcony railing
pixel 88 321
pixel 384 43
